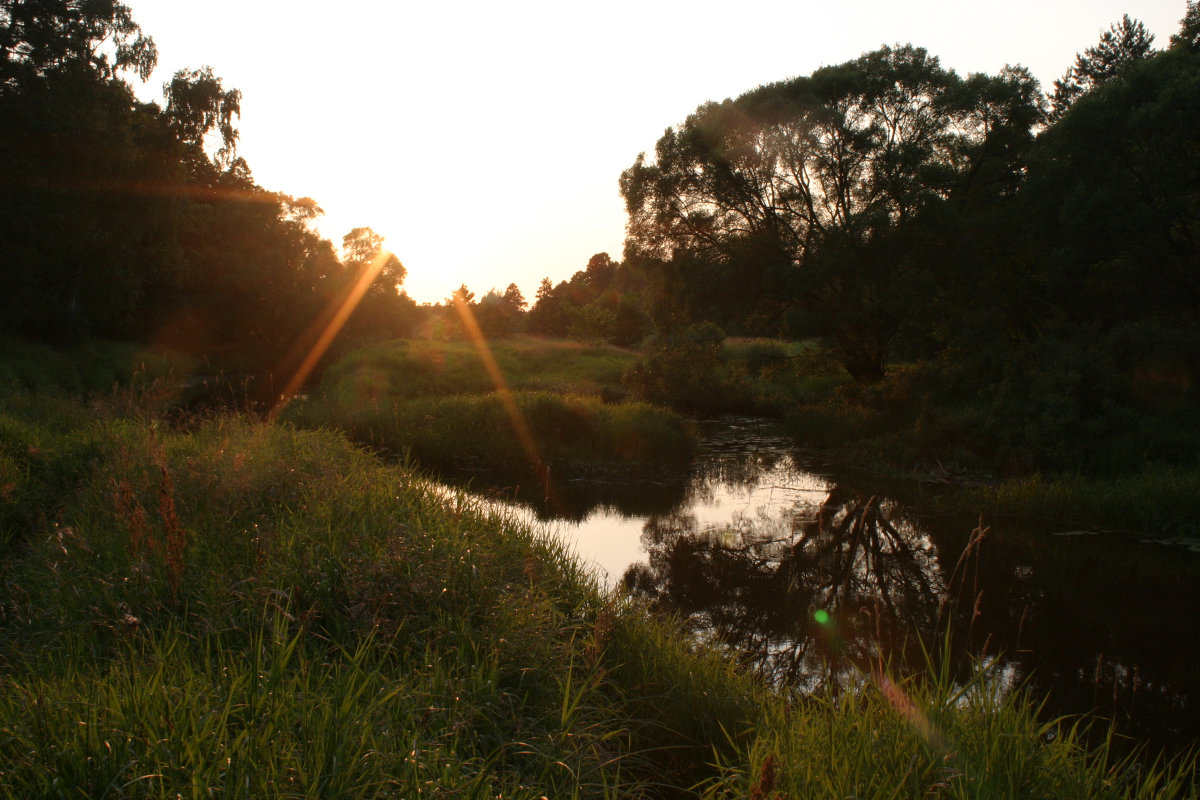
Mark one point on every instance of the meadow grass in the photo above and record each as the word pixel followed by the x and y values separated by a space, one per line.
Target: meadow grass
pixel 248 610
pixel 520 436
pixel 437 403
pixel 253 610
pixel 408 369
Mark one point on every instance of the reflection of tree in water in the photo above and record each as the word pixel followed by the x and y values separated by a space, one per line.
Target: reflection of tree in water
pixel 756 586
pixel 1107 626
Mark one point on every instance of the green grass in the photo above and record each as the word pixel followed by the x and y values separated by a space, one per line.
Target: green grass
pixel 253 610
pixel 930 737
pixel 518 436
pixel 408 369
pixel 90 368
pixel 437 403
pixel 248 610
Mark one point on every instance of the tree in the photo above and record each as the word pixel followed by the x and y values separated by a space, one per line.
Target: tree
pixel 1123 43
pixel 462 296
pixel 198 106
pixel 808 184
pixel 1114 195
pixel 384 311
pixel 38 37
pixel 86 249
pixel 513 298
pixel 362 251
pixel 501 315
pixel 1188 36
pixel 547 317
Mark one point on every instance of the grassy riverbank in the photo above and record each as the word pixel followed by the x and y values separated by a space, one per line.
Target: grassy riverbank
pixel 539 409
pixel 437 402
pixel 246 609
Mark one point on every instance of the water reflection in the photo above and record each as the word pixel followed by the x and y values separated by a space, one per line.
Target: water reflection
pixel 750 547
pixel 809 593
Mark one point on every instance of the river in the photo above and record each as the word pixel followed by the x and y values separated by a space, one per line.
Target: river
pixel 809 577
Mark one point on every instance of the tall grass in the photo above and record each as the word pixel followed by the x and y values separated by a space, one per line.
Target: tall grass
pixel 929 736
pixel 519 435
pixel 251 610
pixel 92 366
pixel 437 403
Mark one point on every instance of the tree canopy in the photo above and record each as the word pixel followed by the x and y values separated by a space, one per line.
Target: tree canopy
pixel 823 175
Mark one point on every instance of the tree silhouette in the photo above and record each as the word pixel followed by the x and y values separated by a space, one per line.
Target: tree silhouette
pixel 1124 42
pixel 821 178
pixel 1188 36
pixel 40 37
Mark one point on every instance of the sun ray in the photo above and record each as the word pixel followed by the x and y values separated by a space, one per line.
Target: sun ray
pixel 326 328
pixel 524 436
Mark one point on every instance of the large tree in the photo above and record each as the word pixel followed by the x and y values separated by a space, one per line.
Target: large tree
pixel 384 310
pixel 816 183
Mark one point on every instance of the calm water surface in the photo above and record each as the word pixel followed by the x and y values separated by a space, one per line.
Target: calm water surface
pixel 809 578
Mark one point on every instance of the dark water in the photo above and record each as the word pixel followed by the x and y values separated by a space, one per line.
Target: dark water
pixel 809 578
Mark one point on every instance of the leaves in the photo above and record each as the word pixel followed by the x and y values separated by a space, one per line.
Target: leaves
pixel 1123 43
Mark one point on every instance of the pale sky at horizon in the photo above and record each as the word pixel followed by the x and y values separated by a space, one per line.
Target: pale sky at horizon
pixel 485 140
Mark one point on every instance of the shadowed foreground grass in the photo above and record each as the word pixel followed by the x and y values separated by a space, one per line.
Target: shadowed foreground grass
pixel 248 610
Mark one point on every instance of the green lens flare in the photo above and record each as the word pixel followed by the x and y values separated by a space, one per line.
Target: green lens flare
pixel 821 616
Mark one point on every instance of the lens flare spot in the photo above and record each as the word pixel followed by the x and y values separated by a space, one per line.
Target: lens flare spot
pixel 821 616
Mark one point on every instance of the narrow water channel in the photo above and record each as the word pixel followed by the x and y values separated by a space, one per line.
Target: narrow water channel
pixel 807 577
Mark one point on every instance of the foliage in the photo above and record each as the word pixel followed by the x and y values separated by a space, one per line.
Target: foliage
pixel 501 315
pixel 827 178
pixel 679 370
pixel 1188 36
pixel 44 36
pixel 1125 42
pixel 698 371
pixel 605 302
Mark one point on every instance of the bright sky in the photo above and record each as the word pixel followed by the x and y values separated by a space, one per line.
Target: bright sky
pixel 485 139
